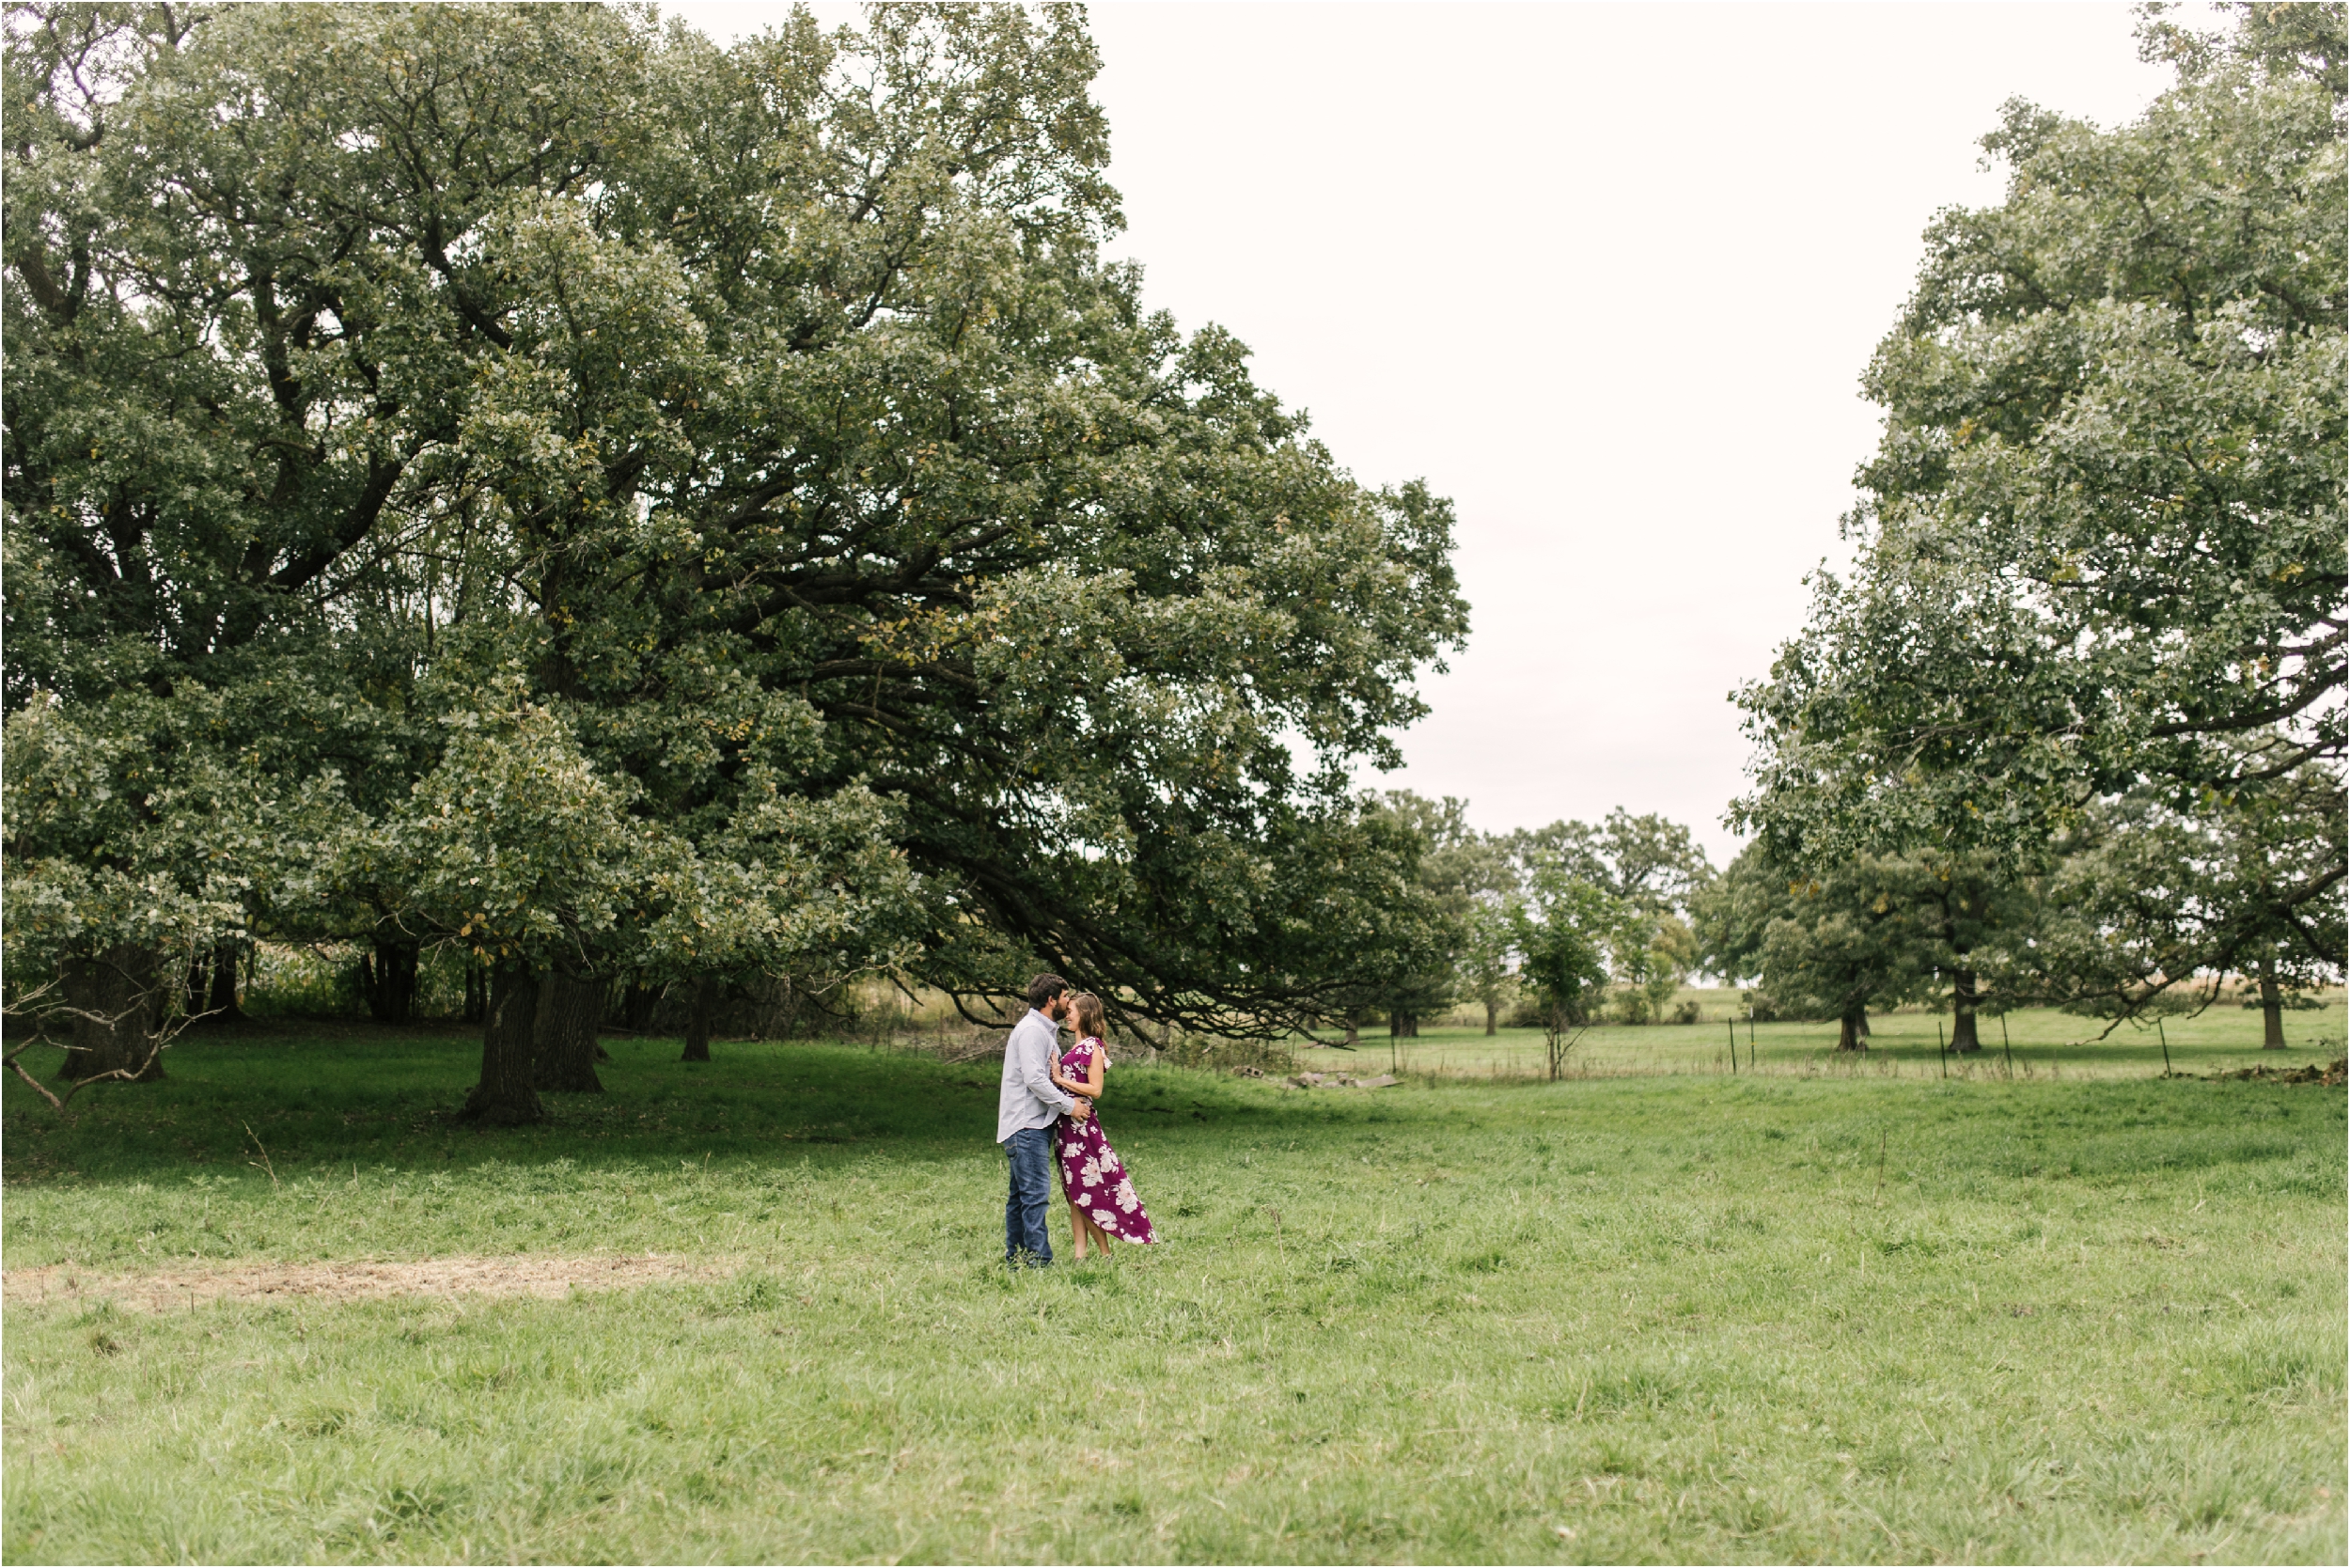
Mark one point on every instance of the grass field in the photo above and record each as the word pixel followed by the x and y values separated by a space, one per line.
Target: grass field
pixel 1678 1316
pixel 2033 1044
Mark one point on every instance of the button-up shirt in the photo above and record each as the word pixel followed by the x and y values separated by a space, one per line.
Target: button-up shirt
pixel 1029 1098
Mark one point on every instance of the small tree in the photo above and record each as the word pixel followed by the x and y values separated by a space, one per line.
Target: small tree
pixel 1563 931
pixel 1488 955
pixel 1653 956
pixel 1845 941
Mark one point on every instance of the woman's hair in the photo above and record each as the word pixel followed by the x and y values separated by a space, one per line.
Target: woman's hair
pixel 1086 1013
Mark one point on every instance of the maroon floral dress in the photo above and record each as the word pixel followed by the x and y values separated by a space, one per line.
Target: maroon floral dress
pixel 1090 1173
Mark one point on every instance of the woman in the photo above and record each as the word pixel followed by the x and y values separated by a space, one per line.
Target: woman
pixel 1101 1201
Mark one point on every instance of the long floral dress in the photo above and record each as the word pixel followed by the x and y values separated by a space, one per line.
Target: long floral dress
pixel 1090 1173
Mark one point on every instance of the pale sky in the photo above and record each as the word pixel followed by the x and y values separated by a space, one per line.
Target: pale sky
pixel 1607 276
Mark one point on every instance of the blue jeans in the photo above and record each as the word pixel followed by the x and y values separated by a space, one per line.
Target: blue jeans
pixel 1031 1153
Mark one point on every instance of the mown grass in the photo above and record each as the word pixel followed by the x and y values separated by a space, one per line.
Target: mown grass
pixel 2037 1042
pixel 1692 1318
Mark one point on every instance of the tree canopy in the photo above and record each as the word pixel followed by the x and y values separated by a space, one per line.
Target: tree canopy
pixel 753 436
pixel 2101 545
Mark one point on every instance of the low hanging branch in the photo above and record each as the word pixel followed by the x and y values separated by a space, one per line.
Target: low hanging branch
pixel 43 1013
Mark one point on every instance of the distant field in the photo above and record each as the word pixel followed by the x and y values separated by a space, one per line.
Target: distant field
pixel 281 1307
pixel 2039 1042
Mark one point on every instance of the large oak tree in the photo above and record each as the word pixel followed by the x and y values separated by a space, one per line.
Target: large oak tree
pixel 2102 542
pixel 758 429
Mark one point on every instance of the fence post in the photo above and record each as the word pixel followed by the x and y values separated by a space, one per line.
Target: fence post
pixel 2164 1035
pixel 1733 1046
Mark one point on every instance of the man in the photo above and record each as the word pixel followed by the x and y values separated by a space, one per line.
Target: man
pixel 1025 1113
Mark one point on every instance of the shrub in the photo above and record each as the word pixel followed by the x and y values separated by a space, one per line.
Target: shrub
pixel 305 982
pixel 1526 1014
pixel 1216 1055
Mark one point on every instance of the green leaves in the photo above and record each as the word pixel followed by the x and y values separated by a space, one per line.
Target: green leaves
pixel 727 473
pixel 1565 928
pixel 2103 535
pixel 2101 541
pixel 514 844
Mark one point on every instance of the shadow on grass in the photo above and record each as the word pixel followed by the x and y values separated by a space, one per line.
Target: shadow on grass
pixel 321 1092
pixel 320 1097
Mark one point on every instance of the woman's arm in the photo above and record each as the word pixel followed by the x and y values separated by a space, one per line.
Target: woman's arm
pixel 1091 1087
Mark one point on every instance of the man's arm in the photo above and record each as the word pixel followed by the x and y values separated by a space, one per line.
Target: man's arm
pixel 1036 1071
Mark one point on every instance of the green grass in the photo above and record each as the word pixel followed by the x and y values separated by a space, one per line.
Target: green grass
pixel 1683 1317
pixel 2036 1043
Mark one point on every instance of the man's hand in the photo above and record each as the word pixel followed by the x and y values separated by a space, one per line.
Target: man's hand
pixel 1083 1108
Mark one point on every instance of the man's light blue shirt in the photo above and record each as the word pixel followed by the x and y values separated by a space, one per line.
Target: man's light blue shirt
pixel 1029 1097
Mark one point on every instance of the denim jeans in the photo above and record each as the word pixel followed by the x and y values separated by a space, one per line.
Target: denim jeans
pixel 1032 1155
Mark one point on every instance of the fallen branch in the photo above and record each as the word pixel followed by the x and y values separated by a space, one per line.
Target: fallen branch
pixel 39 1087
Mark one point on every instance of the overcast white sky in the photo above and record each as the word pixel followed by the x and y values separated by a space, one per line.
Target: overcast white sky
pixel 1608 275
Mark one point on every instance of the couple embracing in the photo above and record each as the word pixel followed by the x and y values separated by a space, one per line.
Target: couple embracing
pixel 1044 1118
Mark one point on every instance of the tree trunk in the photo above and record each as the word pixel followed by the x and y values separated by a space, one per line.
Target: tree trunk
pixel 504 1096
pixel 1492 1015
pixel 1851 1030
pixel 2272 1005
pixel 122 987
pixel 199 982
pixel 636 1004
pixel 392 978
pixel 564 1052
pixel 697 1021
pixel 222 1003
pixel 476 999
pixel 213 984
pixel 789 1010
pixel 1963 1036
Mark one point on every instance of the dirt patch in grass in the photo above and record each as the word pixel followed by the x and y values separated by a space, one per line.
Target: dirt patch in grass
pixel 165 1290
